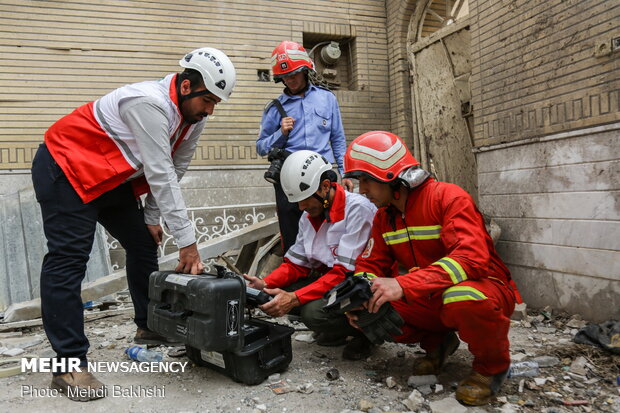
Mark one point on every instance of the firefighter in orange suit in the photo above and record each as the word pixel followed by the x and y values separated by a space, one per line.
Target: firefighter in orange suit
pixel 449 279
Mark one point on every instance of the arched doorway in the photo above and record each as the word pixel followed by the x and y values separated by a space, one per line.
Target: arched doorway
pixel 438 44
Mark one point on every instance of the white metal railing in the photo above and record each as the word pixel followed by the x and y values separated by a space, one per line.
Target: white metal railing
pixel 208 227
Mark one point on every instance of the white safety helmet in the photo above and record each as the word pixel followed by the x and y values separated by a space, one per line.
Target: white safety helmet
pixel 216 69
pixel 300 176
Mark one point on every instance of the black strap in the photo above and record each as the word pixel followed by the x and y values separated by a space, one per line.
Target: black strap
pixel 282 113
pixel 281 110
pixel 194 94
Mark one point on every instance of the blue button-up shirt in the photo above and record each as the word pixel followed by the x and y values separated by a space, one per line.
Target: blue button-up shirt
pixel 318 126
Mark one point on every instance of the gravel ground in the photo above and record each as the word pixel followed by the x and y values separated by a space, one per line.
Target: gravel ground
pixel 584 375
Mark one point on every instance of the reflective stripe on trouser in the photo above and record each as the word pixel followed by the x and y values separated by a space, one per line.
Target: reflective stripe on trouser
pixel 453 268
pixel 482 323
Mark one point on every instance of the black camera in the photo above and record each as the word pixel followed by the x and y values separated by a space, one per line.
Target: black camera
pixel 276 156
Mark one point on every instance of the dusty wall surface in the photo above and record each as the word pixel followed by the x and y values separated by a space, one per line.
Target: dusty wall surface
pixel 59 55
pixel 545 96
pixel 558 204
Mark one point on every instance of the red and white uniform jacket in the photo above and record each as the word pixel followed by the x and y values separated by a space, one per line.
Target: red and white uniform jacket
pixel 440 241
pixel 133 133
pixel 328 245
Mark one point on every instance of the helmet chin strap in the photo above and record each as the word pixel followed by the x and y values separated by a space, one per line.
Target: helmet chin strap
pixel 325 202
pixel 182 98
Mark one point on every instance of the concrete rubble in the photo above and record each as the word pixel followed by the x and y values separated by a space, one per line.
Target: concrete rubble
pixel 572 378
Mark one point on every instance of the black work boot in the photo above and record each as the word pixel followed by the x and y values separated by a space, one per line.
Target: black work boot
pixel 146 336
pixel 433 361
pixel 359 348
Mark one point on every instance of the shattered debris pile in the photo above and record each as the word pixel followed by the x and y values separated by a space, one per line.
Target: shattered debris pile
pixel 571 378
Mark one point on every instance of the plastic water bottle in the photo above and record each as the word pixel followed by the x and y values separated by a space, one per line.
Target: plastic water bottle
pixel 524 369
pixel 141 354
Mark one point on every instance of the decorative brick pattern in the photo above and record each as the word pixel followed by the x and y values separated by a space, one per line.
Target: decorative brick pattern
pixel 539 68
pixel 60 55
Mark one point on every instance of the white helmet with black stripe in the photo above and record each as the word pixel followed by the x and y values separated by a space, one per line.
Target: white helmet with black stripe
pixel 218 72
pixel 301 172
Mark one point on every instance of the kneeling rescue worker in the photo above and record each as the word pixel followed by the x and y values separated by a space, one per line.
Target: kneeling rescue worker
pixel 333 230
pixel 451 278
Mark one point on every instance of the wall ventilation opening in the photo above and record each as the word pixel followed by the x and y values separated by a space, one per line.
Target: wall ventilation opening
pixel 263 75
pixel 334 59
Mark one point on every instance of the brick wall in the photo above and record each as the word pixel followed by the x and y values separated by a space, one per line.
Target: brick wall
pixel 545 97
pixel 543 67
pixel 59 55
pixel 399 14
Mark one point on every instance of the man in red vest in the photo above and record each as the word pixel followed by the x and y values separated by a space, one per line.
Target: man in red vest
pixel 95 164
pixel 449 278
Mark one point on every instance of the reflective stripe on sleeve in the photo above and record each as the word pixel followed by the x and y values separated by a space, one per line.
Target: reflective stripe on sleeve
pixel 298 256
pixel 364 274
pixel 412 233
pixel 453 268
pixel 346 260
pixel 462 293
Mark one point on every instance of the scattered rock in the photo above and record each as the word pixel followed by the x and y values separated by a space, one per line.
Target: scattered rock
pixel 417 381
pixel 509 408
pixel 546 330
pixel 365 405
pixel 579 366
pixel 306 388
pixel 546 361
pixel 518 357
pixel 576 322
pixel 12 352
pixel 415 401
pixel 390 382
pixel 520 312
pixel 10 334
pixel 177 352
pixel 305 338
pixel 447 405
pixel 21 341
pixel 540 381
pixel 425 390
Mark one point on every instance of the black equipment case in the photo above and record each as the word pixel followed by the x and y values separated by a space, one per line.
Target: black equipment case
pixel 206 313
pixel 267 350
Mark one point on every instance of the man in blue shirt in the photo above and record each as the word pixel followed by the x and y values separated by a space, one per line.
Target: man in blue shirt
pixel 312 122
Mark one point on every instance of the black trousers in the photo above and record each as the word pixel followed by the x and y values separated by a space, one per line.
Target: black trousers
pixel 288 218
pixel 69 225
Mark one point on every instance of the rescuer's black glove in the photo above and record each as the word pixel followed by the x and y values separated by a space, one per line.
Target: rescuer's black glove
pixel 351 294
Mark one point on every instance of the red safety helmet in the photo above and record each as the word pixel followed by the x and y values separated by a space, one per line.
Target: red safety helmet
pixel 379 155
pixel 289 58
